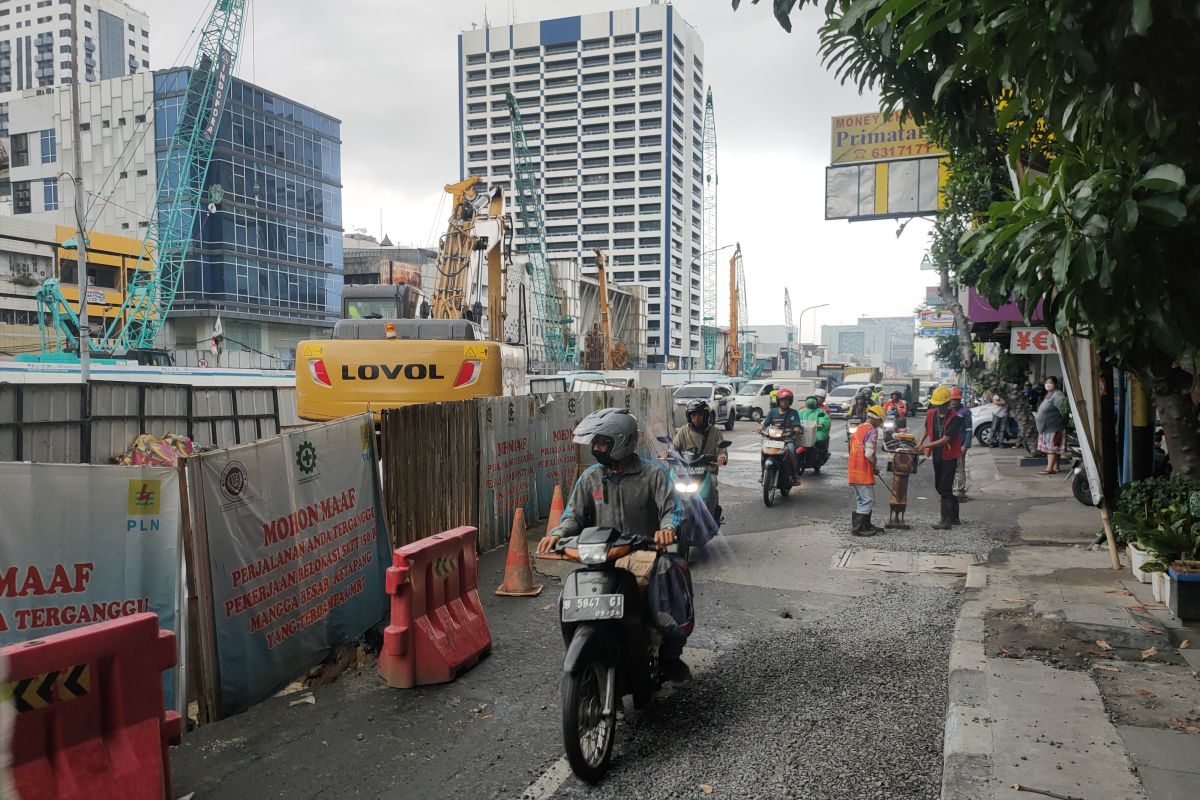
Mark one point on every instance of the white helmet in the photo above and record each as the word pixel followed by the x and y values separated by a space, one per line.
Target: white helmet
pixel 820 394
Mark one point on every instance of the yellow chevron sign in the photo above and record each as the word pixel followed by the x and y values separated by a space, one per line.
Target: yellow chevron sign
pixel 39 691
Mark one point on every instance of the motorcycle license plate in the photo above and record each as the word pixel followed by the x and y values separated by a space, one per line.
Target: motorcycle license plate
pixel 773 451
pixel 594 607
pixel 695 470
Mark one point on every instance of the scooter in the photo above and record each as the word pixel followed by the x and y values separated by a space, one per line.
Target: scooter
pixel 692 474
pixel 776 472
pixel 610 652
pixel 812 457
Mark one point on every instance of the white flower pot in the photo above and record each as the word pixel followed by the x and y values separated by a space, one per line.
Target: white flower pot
pixel 1158 585
pixel 1137 557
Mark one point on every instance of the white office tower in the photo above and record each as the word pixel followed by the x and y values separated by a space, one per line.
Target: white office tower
pixel 35 45
pixel 613 108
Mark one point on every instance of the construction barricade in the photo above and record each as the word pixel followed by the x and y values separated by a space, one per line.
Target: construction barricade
pixel 90 721
pixel 437 629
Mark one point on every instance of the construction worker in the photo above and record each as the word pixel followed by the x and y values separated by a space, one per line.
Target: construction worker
pixel 960 473
pixel 813 413
pixel 701 435
pixel 862 469
pixel 942 442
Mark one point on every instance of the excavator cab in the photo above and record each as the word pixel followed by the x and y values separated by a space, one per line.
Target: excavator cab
pixel 388 301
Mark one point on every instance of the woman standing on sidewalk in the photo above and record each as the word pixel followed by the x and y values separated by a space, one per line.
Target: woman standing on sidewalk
pixel 1051 425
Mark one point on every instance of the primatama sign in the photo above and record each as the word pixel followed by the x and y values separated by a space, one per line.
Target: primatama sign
pixel 1032 342
pixel 858 138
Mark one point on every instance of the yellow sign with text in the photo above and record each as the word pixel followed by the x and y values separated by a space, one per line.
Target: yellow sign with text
pixel 861 138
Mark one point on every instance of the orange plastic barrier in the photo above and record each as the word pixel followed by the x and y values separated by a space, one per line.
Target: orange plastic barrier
pixel 90 721
pixel 437 629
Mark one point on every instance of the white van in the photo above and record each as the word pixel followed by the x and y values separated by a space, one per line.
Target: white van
pixel 753 400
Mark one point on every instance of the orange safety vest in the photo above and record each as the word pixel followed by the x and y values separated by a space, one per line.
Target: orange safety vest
pixel 862 472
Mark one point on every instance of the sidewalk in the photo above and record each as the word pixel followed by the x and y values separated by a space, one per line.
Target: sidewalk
pixel 1065 676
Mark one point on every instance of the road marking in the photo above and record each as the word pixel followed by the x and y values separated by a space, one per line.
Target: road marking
pixel 550 781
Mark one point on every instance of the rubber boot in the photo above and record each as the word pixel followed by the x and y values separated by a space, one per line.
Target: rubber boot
pixel 954 520
pixel 945 523
pixel 869 528
pixel 855 522
pixel 861 523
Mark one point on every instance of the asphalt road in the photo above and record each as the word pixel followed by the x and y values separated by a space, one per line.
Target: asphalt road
pixel 811 681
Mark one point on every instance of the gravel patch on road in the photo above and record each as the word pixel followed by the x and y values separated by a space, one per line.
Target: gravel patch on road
pixel 845 706
pixel 969 537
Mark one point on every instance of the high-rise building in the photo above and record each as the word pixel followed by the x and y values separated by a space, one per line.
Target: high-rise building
pixel 267 253
pixel 35 44
pixel 613 107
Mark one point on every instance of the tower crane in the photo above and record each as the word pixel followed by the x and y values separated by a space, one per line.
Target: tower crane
pixel 182 173
pixel 787 323
pixel 708 270
pixel 554 324
pixel 733 360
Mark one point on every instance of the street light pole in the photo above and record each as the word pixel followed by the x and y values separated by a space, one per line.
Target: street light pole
pixel 800 327
pixel 80 233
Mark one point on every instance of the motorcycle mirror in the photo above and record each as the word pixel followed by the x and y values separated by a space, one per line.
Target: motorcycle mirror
pixel 724 443
pixel 664 439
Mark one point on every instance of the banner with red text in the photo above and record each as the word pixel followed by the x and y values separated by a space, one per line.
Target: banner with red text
pixel 291 552
pixel 81 544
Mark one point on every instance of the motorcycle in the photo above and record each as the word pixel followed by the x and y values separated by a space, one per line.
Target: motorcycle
pixel 610 652
pixel 812 457
pixel 776 472
pixel 692 473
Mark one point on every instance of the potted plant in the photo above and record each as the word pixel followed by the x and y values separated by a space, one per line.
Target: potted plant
pixel 1172 536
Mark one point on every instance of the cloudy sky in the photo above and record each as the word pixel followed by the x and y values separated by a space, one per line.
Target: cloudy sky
pixel 386 68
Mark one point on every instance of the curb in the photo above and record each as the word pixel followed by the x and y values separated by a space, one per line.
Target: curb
pixel 967 740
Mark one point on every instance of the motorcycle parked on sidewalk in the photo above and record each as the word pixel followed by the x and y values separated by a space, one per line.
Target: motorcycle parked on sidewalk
pixel 776 471
pixel 610 652
pixel 693 474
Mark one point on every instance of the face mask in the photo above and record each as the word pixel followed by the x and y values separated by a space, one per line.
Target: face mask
pixel 604 458
pixel 811 404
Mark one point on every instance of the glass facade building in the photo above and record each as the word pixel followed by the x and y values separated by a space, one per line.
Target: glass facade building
pixel 268 243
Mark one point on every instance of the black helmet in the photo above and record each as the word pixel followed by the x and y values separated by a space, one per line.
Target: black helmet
pixel 897 394
pixel 698 407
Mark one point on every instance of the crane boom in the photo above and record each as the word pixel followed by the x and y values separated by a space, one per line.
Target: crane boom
pixel 733 361
pixel 708 270
pixel 183 171
pixel 552 320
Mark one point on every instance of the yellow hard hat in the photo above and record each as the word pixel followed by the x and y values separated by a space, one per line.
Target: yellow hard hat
pixel 875 411
pixel 940 396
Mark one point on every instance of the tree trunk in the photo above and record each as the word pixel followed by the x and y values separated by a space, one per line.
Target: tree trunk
pixel 1181 421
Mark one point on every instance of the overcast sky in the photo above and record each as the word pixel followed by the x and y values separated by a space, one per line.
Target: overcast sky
pixel 386 68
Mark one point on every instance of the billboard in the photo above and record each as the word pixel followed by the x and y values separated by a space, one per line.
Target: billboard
pixel 936 322
pixel 886 189
pixel 1032 342
pixel 868 138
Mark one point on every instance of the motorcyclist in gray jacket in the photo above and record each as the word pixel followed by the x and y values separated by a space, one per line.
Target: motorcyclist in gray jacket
pixel 622 491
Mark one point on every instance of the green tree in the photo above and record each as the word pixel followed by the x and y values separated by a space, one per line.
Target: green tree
pixel 1091 108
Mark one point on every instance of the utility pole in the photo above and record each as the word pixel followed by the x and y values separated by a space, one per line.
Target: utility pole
pixel 85 344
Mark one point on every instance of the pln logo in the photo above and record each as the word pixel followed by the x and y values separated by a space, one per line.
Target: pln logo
pixel 144 500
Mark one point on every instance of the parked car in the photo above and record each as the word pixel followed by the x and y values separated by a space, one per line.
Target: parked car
pixel 718 395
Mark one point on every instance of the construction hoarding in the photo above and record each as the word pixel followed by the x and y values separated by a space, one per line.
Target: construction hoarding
pixel 291 550
pixel 84 544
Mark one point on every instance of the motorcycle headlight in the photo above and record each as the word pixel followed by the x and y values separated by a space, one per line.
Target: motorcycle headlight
pixel 686 488
pixel 593 553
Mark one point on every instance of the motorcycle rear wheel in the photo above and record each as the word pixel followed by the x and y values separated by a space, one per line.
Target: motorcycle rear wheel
pixel 587 735
pixel 1082 489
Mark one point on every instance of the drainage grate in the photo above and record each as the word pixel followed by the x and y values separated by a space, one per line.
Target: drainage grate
pixel 954 564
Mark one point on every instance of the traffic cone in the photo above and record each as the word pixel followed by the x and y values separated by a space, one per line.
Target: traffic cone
pixel 518 572
pixel 556 512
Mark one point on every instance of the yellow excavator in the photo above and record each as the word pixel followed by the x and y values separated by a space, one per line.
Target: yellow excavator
pixel 384 354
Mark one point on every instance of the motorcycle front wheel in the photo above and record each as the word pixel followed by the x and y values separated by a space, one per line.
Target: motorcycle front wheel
pixel 1082 489
pixel 587 734
pixel 768 484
